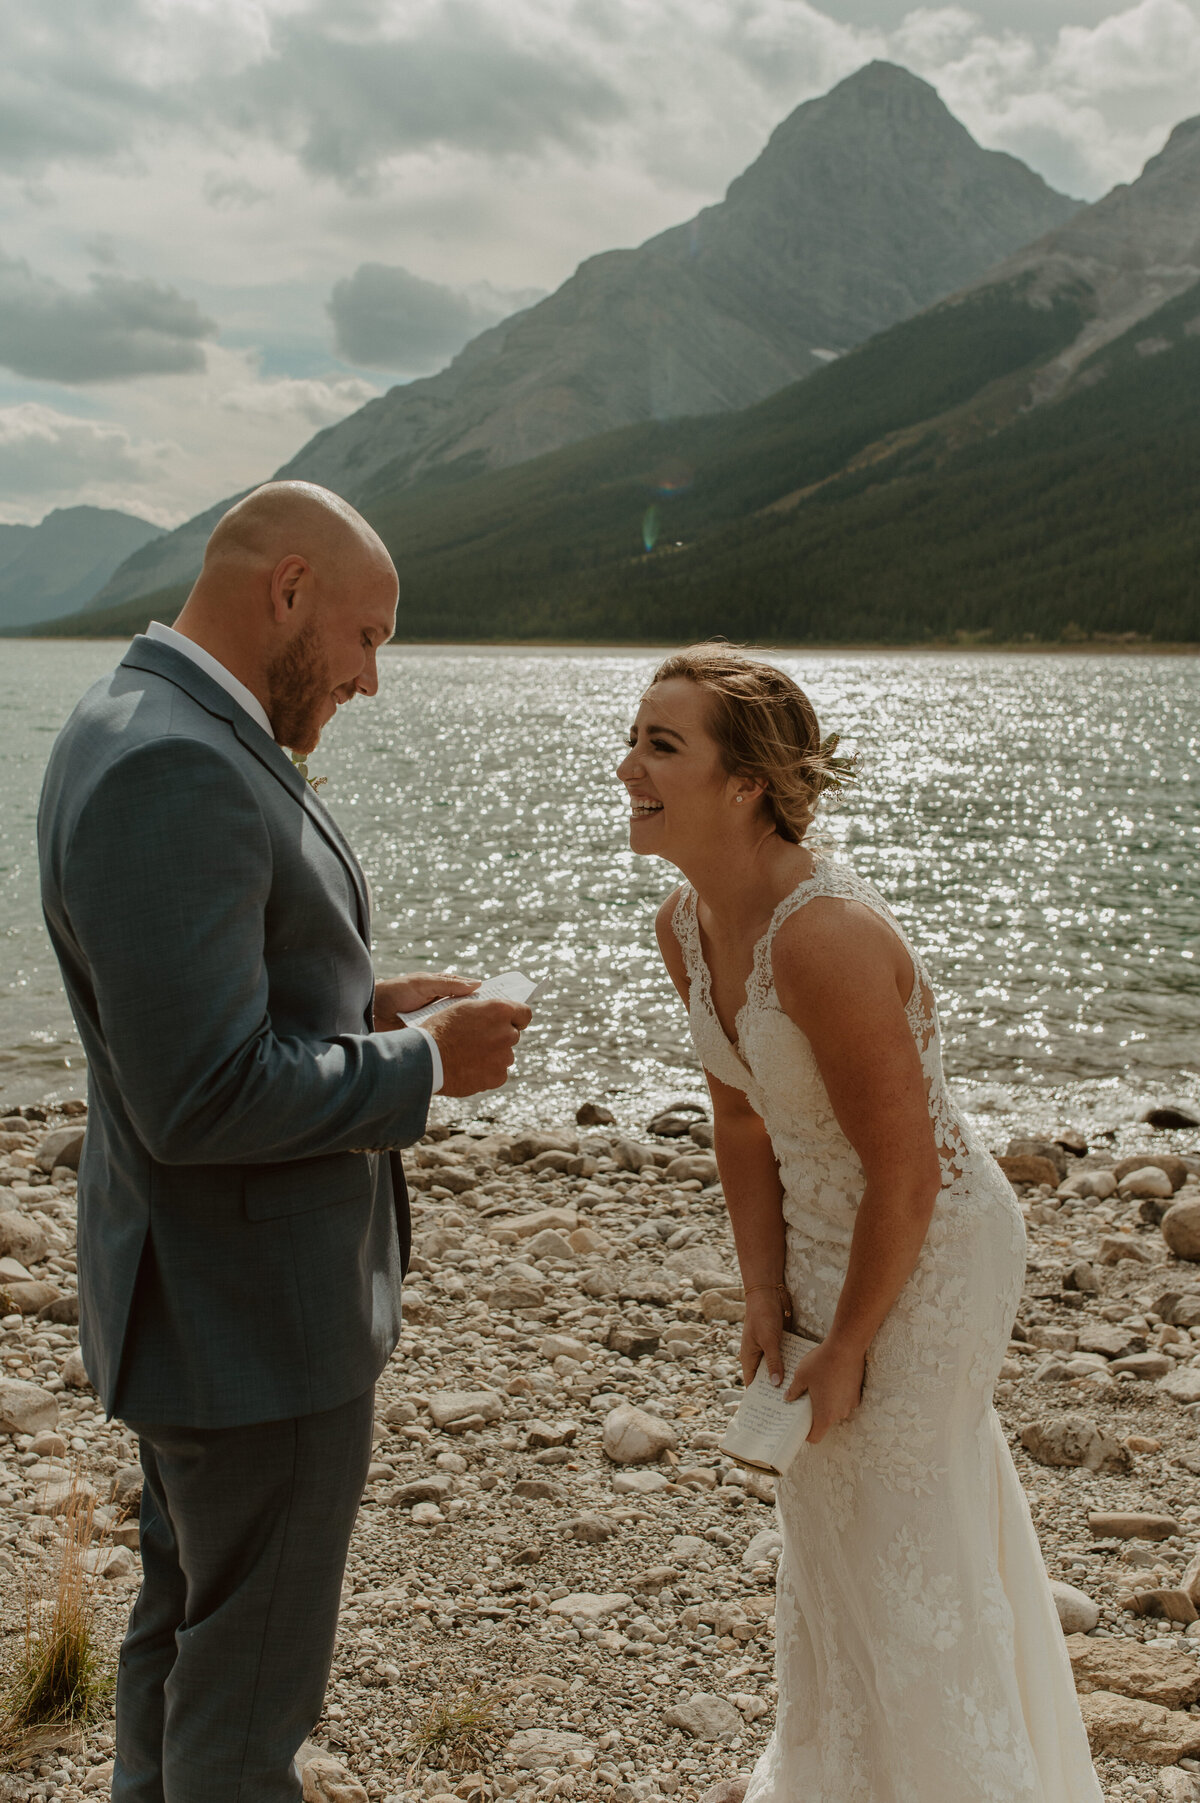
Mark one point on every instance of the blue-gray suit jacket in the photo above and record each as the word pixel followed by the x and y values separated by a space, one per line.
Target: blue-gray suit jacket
pixel 243 1221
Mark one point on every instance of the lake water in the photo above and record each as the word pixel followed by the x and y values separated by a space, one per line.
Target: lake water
pixel 1032 819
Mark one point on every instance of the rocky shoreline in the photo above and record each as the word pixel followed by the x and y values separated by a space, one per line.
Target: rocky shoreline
pixel 550 1539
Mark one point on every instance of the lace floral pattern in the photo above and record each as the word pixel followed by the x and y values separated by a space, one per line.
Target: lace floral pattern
pixel 914 1619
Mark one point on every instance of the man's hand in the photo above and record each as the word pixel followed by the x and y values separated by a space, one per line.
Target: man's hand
pixel 404 995
pixel 477 1042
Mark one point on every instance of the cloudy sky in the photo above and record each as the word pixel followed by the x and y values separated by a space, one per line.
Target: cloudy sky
pixel 225 224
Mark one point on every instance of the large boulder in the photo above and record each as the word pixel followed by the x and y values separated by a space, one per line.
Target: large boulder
pixel 700 1167
pixel 1049 1149
pixel 543 1220
pixel 587 1605
pixel 594 1114
pixel 634 1437
pixel 21 1238
pixel 630 1156
pixel 550 1244
pixel 1129 1728
pixel 1026 1169
pixel 1167 1162
pixel 1132 1668
pixel 1182 1386
pixel 73 1371
pixel 32 1297
pixel 1077 1613
pixel 1073 1439
pixel 1180 1228
pixel 60 1147
pixel 326 1780
pixel 1171 1114
pixel 527 1146
pixel 706 1716
pixel 26 1408
pixel 1147 1183
pixel 543 1749
pixel 448 1407
pixel 1132 1524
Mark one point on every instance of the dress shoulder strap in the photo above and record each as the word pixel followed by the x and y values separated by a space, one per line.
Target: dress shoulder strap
pixel 686 927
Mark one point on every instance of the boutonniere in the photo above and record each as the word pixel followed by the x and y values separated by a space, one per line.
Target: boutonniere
pixel 301 763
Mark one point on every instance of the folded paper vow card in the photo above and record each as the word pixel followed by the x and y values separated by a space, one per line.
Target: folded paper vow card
pixel 509 986
pixel 768 1431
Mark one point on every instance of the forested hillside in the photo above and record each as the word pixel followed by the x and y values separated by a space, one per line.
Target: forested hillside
pixel 909 493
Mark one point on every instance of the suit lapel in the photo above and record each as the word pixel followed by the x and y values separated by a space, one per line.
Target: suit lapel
pixel 163 660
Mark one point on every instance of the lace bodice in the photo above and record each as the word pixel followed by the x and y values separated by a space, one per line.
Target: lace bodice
pixel 774 1064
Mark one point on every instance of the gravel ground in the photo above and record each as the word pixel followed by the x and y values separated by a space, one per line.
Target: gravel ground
pixel 500 1552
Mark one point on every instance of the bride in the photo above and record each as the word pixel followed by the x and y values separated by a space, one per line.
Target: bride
pixel 919 1654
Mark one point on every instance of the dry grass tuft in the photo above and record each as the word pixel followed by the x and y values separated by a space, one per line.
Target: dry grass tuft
pixel 459 1732
pixel 61 1678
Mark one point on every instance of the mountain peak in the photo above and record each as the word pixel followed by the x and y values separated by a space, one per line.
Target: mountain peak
pixel 886 127
pixel 866 205
pixel 881 77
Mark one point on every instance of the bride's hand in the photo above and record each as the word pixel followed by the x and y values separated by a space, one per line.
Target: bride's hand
pixel 760 1335
pixel 833 1376
pixel 404 995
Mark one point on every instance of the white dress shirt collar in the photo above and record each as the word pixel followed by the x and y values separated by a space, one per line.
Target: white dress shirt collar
pixel 212 666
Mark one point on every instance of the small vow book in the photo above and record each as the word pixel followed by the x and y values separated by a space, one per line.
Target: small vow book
pixel 768 1431
pixel 509 986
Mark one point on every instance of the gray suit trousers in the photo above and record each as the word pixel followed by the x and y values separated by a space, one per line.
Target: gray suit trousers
pixel 244 1535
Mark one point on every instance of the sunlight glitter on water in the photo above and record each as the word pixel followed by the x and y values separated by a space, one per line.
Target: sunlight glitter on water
pixel 1031 818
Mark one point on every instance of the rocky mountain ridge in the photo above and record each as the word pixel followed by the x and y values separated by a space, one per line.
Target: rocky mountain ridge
pixel 53 568
pixel 865 206
pixel 1132 252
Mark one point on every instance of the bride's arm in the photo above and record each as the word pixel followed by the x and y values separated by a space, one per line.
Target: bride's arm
pixel 843 976
pixel 753 1193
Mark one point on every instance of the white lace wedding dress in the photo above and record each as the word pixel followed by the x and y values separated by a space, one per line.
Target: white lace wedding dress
pixel 919 1654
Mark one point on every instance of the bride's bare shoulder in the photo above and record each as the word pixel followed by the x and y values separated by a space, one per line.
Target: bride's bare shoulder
pixel 837 942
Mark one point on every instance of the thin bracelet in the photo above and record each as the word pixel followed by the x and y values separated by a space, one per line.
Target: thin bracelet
pixel 780 1289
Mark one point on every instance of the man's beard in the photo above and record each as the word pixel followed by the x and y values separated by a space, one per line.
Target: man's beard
pixel 299 686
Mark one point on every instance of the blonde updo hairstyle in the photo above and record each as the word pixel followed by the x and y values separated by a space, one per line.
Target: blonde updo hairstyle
pixel 765 728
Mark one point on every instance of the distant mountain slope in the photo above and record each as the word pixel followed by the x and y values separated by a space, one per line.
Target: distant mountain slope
pixel 55 568
pixel 1134 250
pixel 1018 459
pixel 13 540
pixel 1077 517
pixel 865 206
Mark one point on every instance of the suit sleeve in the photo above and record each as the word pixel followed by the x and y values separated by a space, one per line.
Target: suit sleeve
pixel 165 883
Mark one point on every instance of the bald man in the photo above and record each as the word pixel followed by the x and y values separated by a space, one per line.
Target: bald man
pixel 243 1220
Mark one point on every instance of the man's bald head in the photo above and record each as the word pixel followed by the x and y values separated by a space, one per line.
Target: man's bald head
pixel 283 519
pixel 296 595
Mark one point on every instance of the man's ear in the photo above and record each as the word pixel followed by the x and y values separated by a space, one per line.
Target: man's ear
pixel 286 578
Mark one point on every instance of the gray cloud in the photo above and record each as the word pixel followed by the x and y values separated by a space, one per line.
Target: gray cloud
pixel 345 86
pixel 334 84
pixel 45 454
pixel 116 327
pixel 346 100
pixel 384 317
pixel 65 88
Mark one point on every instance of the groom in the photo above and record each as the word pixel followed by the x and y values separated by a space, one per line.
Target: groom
pixel 243 1220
